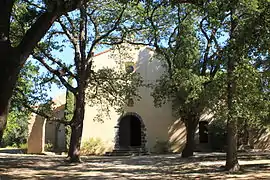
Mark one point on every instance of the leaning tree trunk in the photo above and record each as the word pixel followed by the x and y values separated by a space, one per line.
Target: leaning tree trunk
pixel 8 79
pixel 77 127
pixel 13 58
pixel 191 124
pixel 7 69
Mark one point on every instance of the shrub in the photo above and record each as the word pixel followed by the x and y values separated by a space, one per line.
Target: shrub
pixel 24 146
pixel 93 146
pixel 161 147
pixel 48 147
pixel 217 135
pixel 16 130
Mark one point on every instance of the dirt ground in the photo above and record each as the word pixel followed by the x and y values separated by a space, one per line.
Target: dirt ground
pixel 167 167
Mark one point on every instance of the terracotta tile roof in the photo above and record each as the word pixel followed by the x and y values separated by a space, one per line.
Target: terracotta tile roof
pixel 103 52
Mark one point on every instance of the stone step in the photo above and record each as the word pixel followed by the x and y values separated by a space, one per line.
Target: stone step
pixel 203 147
pixel 122 152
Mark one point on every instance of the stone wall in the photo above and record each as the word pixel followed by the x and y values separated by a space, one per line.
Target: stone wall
pixel 36 135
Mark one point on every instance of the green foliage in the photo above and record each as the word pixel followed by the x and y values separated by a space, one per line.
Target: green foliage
pixel 16 130
pixel 217 135
pixel 196 53
pixel 161 147
pixel 105 26
pixel 190 59
pixel 68 113
pixel 93 146
pixel 23 17
pixel 24 146
pixel 29 91
pixel 67 136
pixel 112 90
pixel 48 147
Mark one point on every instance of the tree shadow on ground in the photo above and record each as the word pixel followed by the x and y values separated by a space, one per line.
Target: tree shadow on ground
pixel 169 167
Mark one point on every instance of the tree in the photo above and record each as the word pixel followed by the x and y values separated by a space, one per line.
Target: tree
pixel 187 43
pixel 241 23
pixel 15 53
pixel 29 90
pixel 85 30
pixel 246 27
pixel 225 35
pixel 69 109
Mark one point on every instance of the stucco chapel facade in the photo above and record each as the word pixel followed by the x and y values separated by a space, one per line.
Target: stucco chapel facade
pixel 141 125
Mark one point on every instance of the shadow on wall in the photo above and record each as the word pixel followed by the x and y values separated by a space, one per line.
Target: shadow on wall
pixel 149 67
pixel 170 133
pixel 177 136
pixel 262 140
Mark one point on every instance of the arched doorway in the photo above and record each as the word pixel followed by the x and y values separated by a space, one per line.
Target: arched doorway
pixel 130 132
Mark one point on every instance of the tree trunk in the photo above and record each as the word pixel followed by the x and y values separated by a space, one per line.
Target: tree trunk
pixel 251 133
pixel 8 78
pixel 6 63
pixel 3 123
pixel 191 124
pixel 13 58
pixel 231 157
pixel 77 127
pixel 246 134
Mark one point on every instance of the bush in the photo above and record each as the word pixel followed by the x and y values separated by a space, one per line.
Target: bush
pixel 16 130
pixel 93 146
pixel 48 147
pixel 217 135
pixel 24 146
pixel 161 147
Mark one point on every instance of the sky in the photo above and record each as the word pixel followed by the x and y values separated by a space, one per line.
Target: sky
pixel 66 56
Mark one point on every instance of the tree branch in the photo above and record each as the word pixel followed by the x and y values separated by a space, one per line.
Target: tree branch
pixel 41 113
pixel 70 36
pixel 82 38
pixel 93 22
pixel 48 118
pixel 58 73
pixel 97 40
pixel 74 42
pixel 34 34
pixel 58 62
pixel 70 22
pixel 156 45
pixel 35 5
pixel 5 14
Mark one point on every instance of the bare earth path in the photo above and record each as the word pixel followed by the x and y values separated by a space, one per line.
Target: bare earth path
pixel 167 167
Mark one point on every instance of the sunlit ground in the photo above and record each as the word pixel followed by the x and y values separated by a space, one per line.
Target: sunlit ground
pixel 202 166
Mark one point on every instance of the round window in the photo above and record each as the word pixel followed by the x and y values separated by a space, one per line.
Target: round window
pixel 129 69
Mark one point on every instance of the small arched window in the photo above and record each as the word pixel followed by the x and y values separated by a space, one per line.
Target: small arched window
pixel 129 67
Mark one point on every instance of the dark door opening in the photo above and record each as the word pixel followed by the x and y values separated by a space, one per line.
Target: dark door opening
pixel 129 131
pixel 203 131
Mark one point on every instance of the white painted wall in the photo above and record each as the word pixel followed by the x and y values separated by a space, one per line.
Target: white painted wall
pixel 156 120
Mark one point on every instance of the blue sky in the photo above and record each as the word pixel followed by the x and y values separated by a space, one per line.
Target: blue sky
pixel 66 56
